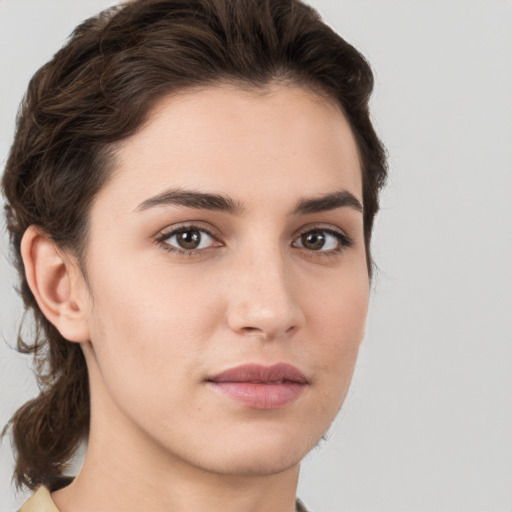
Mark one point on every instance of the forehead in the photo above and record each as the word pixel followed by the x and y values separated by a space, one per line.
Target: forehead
pixel 238 142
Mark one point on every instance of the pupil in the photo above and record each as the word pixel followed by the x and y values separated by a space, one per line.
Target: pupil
pixel 314 240
pixel 189 239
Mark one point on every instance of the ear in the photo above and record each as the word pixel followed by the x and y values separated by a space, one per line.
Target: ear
pixel 57 284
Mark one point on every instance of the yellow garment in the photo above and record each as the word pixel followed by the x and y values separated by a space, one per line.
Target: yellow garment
pixel 41 501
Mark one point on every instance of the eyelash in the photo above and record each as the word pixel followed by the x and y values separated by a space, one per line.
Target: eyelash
pixel 161 240
pixel 344 241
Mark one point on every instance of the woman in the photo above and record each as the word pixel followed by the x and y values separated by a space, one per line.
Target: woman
pixel 190 197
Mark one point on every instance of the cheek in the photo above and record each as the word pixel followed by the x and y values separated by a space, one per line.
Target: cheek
pixel 149 341
pixel 337 326
pixel 146 320
pixel 339 307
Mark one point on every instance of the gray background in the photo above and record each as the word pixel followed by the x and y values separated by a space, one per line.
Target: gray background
pixel 427 425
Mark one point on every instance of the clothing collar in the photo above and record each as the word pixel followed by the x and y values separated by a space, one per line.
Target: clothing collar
pixel 42 501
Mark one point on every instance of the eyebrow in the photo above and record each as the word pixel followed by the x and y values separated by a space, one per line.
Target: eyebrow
pixel 192 199
pixel 331 201
pixel 222 203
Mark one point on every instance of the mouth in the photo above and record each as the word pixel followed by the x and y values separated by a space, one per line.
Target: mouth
pixel 259 386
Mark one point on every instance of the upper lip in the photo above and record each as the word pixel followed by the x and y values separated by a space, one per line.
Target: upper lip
pixel 258 373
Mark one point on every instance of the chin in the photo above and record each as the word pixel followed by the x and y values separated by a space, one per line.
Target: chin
pixel 260 454
pixel 248 464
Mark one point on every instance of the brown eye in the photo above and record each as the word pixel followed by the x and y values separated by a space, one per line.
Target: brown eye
pixel 313 240
pixel 189 239
pixel 322 240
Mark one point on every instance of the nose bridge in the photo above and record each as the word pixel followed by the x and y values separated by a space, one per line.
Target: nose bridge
pixel 263 302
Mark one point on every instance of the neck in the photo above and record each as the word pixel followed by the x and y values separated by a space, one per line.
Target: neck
pixel 99 490
pixel 135 483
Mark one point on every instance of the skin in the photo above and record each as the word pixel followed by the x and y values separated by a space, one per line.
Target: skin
pixel 155 324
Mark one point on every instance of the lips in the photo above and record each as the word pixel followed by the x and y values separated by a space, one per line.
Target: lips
pixel 259 386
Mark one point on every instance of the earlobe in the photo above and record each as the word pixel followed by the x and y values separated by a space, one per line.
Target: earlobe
pixel 51 276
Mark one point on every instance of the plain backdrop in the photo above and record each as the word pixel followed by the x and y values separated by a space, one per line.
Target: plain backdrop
pixel 427 425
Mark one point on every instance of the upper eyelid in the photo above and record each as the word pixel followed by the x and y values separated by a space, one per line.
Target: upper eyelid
pixel 342 238
pixel 321 227
pixel 168 231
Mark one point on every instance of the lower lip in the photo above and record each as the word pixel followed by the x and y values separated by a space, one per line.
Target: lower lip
pixel 259 395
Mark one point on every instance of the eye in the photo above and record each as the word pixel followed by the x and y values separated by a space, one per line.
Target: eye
pixel 186 239
pixel 322 240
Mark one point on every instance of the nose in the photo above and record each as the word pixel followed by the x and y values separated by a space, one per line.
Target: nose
pixel 264 298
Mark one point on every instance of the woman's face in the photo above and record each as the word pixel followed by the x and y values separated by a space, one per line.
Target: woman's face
pixel 230 235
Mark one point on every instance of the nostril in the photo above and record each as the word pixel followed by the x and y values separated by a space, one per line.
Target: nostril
pixel 264 334
pixel 251 330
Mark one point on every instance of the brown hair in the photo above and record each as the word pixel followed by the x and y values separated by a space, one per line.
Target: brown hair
pixel 97 90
